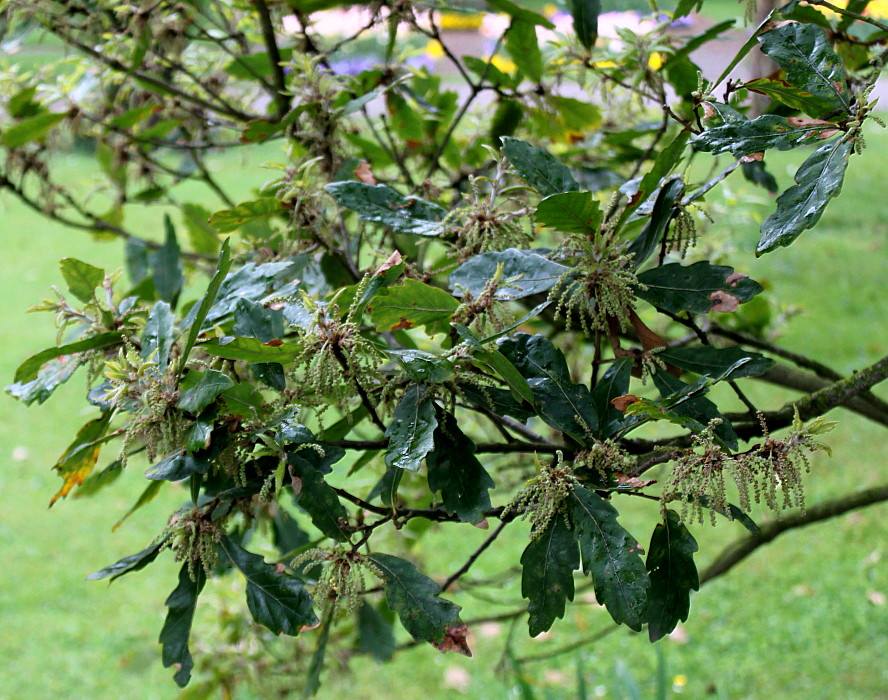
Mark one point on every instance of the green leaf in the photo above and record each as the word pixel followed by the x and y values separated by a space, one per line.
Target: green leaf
pixel 383 205
pixel 81 278
pixel 673 575
pixel 661 215
pixel 131 117
pixel 570 212
pixel 414 597
pixel 228 220
pixel 614 383
pixel 791 96
pixel 541 171
pixel 743 138
pixel 667 160
pixel 519 13
pixel 410 434
pixel 202 236
pixel 423 367
pixel 277 601
pixel 144 498
pixel 182 603
pixel 499 363
pixel 547 582
pixel 805 53
pixel 29 369
pixel 317 498
pixel 50 376
pixel 523 47
pixel 80 458
pixel 251 350
pixel 375 634
pixel 166 265
pixel 413 304
pixel 565 406
pixel 312 682
pixel 248 66
pixel 134 562
pixel 254 320
pixel 525 272
pixel 33 129
pixel 698 411
pixel 686 7
pixel 585 20
pixel 157 338
pixel 732 512
pixel 180 464
pixel 204 391
pixel 611 556
pixel 455 472
pixel 695 288
pixel 721 363
pixel 818 180
pixel 498 401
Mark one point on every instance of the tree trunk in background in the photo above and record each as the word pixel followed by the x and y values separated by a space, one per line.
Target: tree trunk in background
pixel 762 66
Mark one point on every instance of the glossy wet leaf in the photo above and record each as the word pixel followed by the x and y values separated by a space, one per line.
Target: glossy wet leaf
pixel 29 369
pixel 134 562
pixel 818 180
pixel 254 320
pixel 722 363
pixel 525 272
pixel 570 212
pixel 181 464
pixel 673 575
pixel 423 367
pixel 182 603
pixel 157 338
pixel 414 597
pixel 678 288
pixel 541 171
pixel 743 138
pixel 649 240
pixel 204 390
pixel 50 376
pixel 548 564
pixel 683 401
pixel 455 472
pixel 614 383
pixel 276 600
pixel 411 431
pixel 383 205
pixel 792 96
pixel 228 220
pixel 413 304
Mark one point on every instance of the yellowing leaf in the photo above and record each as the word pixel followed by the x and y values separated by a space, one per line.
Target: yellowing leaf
pixel 78 460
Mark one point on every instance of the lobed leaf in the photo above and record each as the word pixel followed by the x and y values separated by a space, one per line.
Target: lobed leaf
pixel 548 563
pixel 743 138
pixel 182 603
pixel 673 575
pixel 696 288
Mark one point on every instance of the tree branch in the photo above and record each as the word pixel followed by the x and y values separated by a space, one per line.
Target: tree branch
pixel 274 57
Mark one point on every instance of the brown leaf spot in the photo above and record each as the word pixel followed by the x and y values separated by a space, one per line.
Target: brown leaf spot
pixel 276 343
pixel 805 121
pixel 753 157
pixel 393 259
pixel 708 111
pixel 621 403
pixel 633 481
pixel 455 639
pixel 276 306
pixel 827 133
pixel 296 483
pixel 734 278
pixel 724 302
pixel 402 325
pixel 483 524
pixel 364 174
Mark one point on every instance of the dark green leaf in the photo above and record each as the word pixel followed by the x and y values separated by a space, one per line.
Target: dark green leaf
pixel 180 464
pixel 523 47
pixel 743 138
pixel 673 575
pixel 286 533
pixel 525 272
pixel 134 562
pixel 732 512
pixel 547 582
pixel 414 597
pixel 253 320
pixel 455 472
pixel 33 129
pixel 317 498
pixel 667 160
pixel 755 172
pixel 686 7
pixel 720 363
pixel 277 601
pixel 571 212
pixel 166 264
pixel 375 634
pixel 52 375
pixel 228 220
pixel 157 338
pixel 144 498
pixel 81 278
pixel 313 677
pixel 585 20
pixel 805 53
pixel 791 96
pixel 818 180
pixel 499 401
pixel 611 556
pixel 131 117
pixel 541 171
pixel 204 390
pixel 699 410
pixel 696 288
pixel 250 350
pixel 383 205
pixel 664 207
pixel 614 383
pixel 29 369
pixel 271 373
pixel 520 13
pixel 423 367
pixel 410 434
pixel 499 363
pixel 182 603
pixel 413 304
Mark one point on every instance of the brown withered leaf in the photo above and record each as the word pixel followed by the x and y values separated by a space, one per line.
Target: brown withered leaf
pixel 455 639
pixel 275 343
pixel 402 325
pixel 621 403
pixel 724 302
pixel 634 481
pixel 393 259
pixel 364 174
pixel 752 157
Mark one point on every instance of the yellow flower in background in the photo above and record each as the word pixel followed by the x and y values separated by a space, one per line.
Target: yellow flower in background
pixel 877 8
pixel 604 64
pixel 434 50
pixel 550 9
pixel 459 22
pixel 504 64
pixel 655 60
pixel 680 681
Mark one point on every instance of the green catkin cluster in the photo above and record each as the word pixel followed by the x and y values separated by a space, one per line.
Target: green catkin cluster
pixel 194 539
pixel 543 497
pixel 600 284
pixel 769 473
pixel 341 581
pixel 682 233
pixel 605 458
